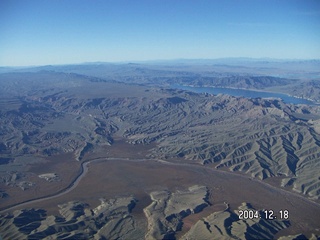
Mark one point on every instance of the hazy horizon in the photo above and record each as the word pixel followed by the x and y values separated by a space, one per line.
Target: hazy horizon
pixel 37 33
pixel 224 60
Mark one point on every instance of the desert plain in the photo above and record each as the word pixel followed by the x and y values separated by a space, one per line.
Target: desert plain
pixel 89 157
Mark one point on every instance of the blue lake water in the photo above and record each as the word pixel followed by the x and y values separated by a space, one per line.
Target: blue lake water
pixel 244 93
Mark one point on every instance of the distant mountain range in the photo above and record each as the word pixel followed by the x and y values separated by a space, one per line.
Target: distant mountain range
pixel 299 78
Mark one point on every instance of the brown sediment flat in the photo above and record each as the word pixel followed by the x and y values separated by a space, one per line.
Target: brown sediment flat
pixel 63 165
pixel 110 179
pixel 67 169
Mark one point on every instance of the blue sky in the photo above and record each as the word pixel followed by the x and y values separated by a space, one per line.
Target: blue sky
pixel 65 31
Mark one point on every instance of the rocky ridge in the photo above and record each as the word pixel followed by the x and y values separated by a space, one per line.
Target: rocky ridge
pixel 110 220
pixel 167 210
pixel 227 225
pixel 113 219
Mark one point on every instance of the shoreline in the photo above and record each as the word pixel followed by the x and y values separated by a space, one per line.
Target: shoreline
pixel 313 102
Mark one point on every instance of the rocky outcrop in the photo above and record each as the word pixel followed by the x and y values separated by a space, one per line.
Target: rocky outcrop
pixel 167 210
pixel 110 220
pixel 227 225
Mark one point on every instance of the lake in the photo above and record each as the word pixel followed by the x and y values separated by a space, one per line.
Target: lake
pixel 244 93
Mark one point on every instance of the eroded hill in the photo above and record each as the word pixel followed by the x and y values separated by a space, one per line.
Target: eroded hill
pixel 113 219
pixel 263 138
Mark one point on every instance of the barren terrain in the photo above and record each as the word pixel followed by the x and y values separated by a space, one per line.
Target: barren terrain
pixel 69 140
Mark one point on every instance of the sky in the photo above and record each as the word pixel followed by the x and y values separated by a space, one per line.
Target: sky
pixel 45 32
